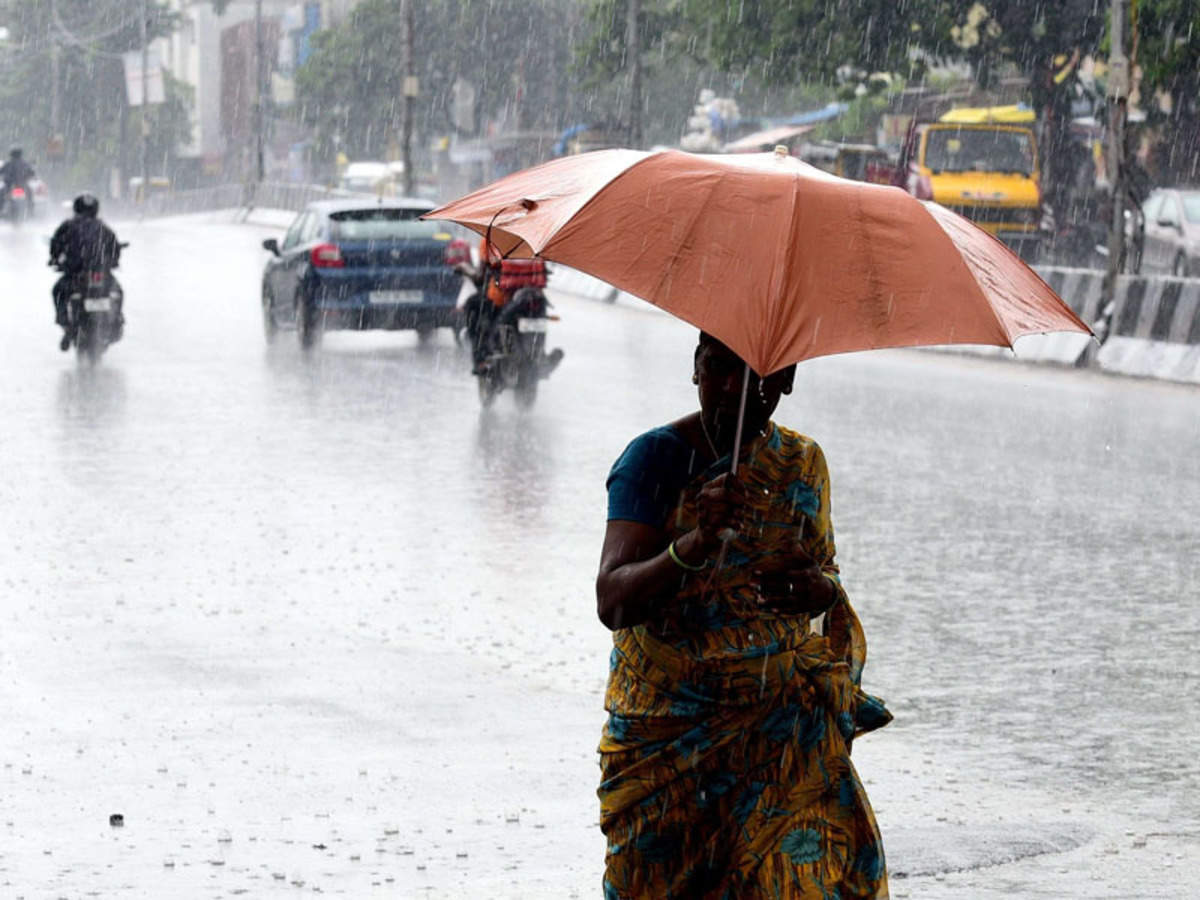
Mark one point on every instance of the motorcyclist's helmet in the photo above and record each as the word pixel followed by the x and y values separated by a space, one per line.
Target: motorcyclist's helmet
pixel 87 205
pixel 15 152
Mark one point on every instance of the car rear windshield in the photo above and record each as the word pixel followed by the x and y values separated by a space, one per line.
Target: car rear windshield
pixel 979 150
pixel 381 224
pixel 1191 208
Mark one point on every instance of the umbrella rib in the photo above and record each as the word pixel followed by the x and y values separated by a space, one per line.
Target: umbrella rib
pixel 778 308
pixel 566 217
pixel 1001 327
pixel 549 251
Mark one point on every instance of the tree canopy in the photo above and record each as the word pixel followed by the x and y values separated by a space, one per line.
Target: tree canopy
pixel 512 54
pixel 95 122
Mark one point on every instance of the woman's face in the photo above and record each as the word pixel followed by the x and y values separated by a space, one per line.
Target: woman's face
pixel 719 373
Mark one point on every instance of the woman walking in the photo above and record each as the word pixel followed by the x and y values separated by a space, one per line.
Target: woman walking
pixel 725 759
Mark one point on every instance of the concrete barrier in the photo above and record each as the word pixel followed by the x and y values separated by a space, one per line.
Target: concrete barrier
pixel 1155 329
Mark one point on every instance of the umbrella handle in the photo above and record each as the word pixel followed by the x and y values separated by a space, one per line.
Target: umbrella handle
pixel 728 534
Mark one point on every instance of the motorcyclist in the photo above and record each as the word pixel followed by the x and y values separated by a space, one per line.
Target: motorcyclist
pixel 16 172
pixel 83 243
pixel 497 280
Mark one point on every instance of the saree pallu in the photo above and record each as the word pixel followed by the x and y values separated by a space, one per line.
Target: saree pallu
pixel 725 760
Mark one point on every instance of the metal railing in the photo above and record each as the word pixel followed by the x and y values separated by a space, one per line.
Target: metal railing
pixel 265 195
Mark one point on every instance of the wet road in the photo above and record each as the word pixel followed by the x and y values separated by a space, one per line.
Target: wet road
pixel 319 624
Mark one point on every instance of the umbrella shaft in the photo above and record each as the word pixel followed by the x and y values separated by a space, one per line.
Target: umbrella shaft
pixel 741 420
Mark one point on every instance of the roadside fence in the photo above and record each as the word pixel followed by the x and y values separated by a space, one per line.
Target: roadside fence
pixel 265 195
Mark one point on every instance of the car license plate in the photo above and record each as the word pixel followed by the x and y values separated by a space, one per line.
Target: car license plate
pixel 531 326
pixel 98 304
pixel 396 296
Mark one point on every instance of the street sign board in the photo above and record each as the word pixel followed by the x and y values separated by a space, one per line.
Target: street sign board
pixel 136 84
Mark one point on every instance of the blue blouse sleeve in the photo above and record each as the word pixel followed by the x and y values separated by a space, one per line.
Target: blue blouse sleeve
pixel 647 478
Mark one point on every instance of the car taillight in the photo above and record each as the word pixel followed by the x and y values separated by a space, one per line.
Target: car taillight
pixel 457 251
pixel 326 256
pixel 96 277
pixel 18 193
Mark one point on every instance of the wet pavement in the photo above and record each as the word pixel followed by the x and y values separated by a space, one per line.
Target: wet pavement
pixel 317 624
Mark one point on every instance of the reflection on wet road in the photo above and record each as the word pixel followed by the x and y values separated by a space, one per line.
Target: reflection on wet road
pixel 319 622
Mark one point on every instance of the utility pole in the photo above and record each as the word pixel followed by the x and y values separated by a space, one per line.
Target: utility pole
pixel 633 52
pixel 54 88
pixel 1118 99
pixel 259 99
pixel 410 96
pixel 142 34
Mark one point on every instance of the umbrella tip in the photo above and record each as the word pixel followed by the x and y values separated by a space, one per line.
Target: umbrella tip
pixel 781 151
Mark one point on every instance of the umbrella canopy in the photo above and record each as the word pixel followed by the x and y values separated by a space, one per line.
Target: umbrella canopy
pixel 776 258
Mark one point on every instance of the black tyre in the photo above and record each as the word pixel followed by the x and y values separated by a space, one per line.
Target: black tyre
pixel 489 387
pixel 270 326
pixel 88 347
pixel 307 329
pixel 525 390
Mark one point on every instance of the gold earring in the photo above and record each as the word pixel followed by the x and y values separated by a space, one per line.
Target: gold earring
pixel 695 378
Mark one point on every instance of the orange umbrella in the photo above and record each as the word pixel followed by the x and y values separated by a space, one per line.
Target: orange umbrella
pixel 779 260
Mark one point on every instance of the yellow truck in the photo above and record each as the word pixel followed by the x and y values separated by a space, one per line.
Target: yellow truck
pixel 983 164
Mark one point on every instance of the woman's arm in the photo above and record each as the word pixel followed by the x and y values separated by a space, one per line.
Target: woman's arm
pixel 636 568
pixel 637 572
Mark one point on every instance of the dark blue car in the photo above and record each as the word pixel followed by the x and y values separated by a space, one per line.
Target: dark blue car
pixel 359 264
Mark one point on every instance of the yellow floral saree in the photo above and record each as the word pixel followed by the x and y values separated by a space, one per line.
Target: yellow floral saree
pixel 725 759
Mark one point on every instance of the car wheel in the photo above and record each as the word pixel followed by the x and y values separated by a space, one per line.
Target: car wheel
pixel 1180 268
pixel 270 326
pixel 307 328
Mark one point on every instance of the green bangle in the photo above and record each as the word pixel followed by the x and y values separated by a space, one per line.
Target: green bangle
pixel 679 562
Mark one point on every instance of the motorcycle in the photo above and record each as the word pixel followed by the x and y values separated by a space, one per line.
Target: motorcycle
pixel 19 204
pixel 516 357
pixel 94 311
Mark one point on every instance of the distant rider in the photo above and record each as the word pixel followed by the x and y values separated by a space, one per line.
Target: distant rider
pixel 497 281
pixel 16 172
pixel 83 243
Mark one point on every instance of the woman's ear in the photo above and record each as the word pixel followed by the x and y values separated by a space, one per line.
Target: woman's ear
pixel 695 378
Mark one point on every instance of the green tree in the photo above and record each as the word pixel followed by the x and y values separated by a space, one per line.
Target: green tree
pixel 1043 41
pixel 513 52
pixel 787 41
pixel 771 55
pixel 94 118
pixel 1168 53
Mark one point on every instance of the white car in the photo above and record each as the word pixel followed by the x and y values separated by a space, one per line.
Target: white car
pixel 369 178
